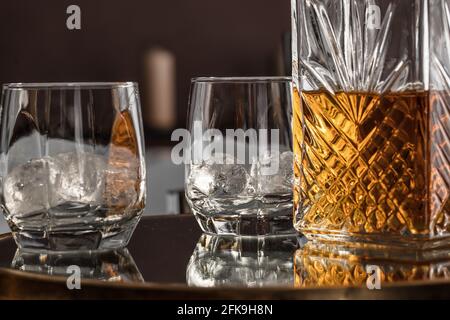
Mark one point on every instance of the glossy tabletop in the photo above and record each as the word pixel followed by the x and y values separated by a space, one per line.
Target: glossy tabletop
pixel 169 258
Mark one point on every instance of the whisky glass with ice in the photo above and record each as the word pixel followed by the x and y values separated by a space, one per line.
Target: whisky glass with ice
pixel 239 165
pixel 72 164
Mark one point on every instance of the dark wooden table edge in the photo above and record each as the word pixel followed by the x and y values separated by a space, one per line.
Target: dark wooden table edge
pixel 22 285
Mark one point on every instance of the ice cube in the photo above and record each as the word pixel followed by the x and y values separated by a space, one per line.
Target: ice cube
pixel 230 179
pixel 201 180
pixel 215 177
pixel 28 187
pixel 82 178
pixel 282 180
pixel 49 182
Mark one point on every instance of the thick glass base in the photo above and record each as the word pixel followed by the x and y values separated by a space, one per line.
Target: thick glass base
pixel 107 237
pixel 251 223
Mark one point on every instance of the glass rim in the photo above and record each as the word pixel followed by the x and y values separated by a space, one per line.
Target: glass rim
pixel 67 85
pixel 231 80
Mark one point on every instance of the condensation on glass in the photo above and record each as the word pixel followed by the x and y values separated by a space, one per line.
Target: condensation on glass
pixel 371 121
pixel 72 164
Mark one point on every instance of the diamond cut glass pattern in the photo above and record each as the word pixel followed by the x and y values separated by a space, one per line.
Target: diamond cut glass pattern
pixel 371 119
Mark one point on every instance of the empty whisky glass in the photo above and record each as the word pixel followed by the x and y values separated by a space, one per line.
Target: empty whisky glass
pixel 239 166
pixel 72 164
pixel 371 118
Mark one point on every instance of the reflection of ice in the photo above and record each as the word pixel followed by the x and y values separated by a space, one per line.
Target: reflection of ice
pixel 48 182
pixel 248 262
pixel 117 265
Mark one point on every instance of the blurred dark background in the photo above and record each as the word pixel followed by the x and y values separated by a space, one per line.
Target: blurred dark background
pixel 205 38
pixel 161 44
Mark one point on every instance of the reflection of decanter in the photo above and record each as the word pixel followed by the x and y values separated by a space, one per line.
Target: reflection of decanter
pixel 324 265
pixel 249 262
pixel 116 265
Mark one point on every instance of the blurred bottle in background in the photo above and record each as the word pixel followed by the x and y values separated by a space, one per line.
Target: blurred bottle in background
pixel 159 108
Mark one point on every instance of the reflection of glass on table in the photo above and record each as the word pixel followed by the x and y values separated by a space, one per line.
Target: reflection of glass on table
pixel 326 265
pixel 246 262
pixel 115 265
